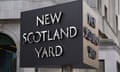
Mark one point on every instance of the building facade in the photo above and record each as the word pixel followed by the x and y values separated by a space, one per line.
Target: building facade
pixel 106 13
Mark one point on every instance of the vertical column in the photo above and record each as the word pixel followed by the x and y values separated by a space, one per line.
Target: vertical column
pixel 84 70
pixel 27 69
pixel 18 57
pixel 110 66
pixel 110 61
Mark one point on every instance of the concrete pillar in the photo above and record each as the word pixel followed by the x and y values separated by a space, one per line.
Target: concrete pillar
pixel 110 63
pixel 27 69
pixel 84 70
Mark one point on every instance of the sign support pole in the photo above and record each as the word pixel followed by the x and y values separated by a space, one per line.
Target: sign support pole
pixel 67 68
pixel 36 69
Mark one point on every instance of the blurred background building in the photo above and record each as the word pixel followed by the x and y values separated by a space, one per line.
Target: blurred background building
pixel 106 11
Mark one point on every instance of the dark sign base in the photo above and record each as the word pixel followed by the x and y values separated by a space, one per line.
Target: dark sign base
pixel 81 66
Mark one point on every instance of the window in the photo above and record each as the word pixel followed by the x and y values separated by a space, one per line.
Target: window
pixel 118 6
pixel 91 20
pixel 105 13
pixel 116 24
pixel 99 5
